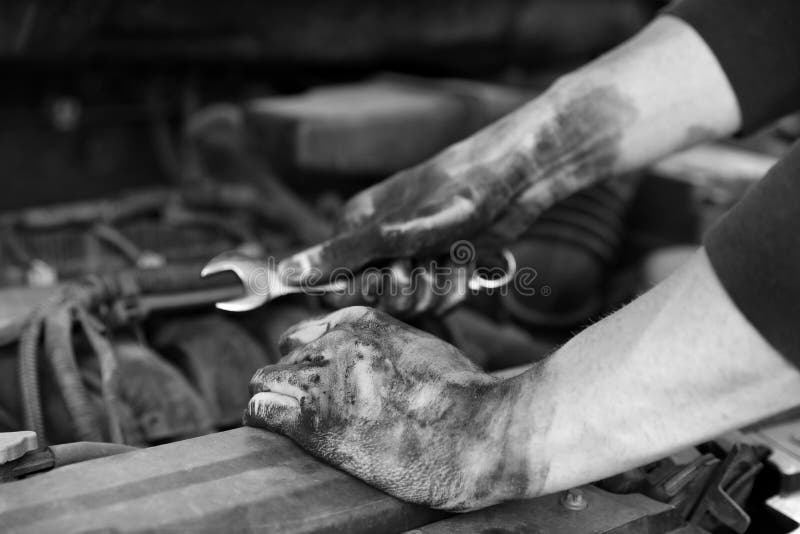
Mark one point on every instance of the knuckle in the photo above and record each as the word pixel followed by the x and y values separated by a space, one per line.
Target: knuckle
pixel 358 310
pixel 334 341
pixel 308 333
pixel 361 205
pixel 285 345
pixel 258 379
pixel 292 330
pixel 294 356
pixel 354 313
pixel 318 351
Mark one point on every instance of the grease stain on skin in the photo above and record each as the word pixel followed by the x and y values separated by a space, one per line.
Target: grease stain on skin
pixel 576 148
pixel 407 427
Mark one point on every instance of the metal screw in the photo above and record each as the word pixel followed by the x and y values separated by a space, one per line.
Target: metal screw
pixel 574 500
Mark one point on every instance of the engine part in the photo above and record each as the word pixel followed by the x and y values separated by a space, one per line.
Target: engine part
pixel 571 247
pixel 783 439
pixel 163 404
pixel 707 491
pixel 217 356
pixel 250 480
pixel 722 500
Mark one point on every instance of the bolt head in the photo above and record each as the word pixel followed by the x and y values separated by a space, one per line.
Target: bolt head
pixel 574 500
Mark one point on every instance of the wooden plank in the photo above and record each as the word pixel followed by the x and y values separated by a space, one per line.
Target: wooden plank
pixel 242 480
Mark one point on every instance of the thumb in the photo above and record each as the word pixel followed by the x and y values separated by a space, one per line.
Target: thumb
pixel 379 200
pixel 404 236
pixel 273 411
pixel 346 252
pixel 361 208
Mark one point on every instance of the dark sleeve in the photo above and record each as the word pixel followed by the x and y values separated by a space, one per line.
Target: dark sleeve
pixel 755 251
pixel 758 45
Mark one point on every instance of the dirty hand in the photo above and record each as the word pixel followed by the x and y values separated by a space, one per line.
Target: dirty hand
pixel 418 215
pixel 421 211
pixel 488 188
pixel 392 405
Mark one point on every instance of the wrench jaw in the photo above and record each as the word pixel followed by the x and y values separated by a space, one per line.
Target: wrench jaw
pixel 247 269
pixel 250 302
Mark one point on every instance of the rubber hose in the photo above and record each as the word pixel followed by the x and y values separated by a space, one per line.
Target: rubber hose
pixel 58 347
pixel 109 373
pixel 29 377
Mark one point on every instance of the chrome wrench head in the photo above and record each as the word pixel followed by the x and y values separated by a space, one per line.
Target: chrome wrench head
pixel 254 274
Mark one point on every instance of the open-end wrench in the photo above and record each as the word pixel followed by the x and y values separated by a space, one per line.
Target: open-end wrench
pixel 262 282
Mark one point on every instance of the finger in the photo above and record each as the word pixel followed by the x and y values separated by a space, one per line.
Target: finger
pixel 404 289
pixel 427 229
pixel 282 394
pixel 320 350
pixel 381 287
pixel 410 291
pixel 391 288
pixel 435 221
pixel 273 411
pixel 344 253
pixel 362 207
pixel 362 290
pixel 363 296
pixel 308 331
pixel 377 201
pixel 290 379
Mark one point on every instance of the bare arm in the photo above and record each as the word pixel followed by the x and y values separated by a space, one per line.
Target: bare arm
pixel 658 93
pixel 677 366
pixel 410 414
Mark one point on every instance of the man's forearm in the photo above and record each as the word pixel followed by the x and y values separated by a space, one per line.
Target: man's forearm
pixel 661 91
pixel 411 415
pixel 677 366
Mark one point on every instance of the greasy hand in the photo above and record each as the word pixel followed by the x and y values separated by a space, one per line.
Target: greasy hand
pixel 422 210
pixel 392 405
pixel 489 188
pixel 416 216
